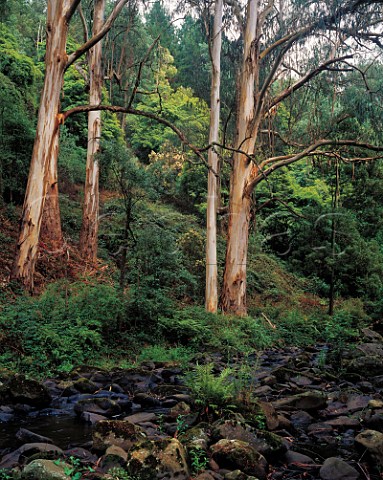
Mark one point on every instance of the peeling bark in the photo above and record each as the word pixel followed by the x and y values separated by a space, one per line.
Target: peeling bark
pixel 89 229
pixel 233 295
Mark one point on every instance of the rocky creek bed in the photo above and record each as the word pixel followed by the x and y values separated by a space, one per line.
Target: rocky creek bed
pixel 300 419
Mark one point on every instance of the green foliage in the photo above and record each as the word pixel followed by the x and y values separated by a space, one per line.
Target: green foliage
pixel 164 354
pixel 119 473
pixel 68 324
pixel 211 391
pixel 198 459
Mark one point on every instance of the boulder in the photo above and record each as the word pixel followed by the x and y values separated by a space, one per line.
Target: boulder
pixel 238 475
pixel 116 432
pixel 18 389
pixel 40 469
pixel 235 454
pixel 311 400
pixel 337 469
pixel 372 441
pixel 13 459
pixel 100 405
pixel 159 459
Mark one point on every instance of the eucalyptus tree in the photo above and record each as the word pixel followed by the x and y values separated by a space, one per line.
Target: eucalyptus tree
pixel 42 180
pixel 286 44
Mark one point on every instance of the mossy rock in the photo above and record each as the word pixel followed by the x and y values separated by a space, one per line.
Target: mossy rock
pixel 235 454
pixel 40 469
pixel 116 432
pixel 159 459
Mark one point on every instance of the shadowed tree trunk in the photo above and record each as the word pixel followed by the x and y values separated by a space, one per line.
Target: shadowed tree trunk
pixel 89 229
pixel 211 296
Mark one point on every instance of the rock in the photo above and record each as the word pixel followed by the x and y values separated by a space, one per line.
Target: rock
pixel 295 458
pixel 311 400
pixel 99 405
pixel 196 437
pixel 235 454
pixel 117 451
pixel 271 417
pixel 301 420
pixel 146 400
pixel 116 432
pixel 372 441
pixel 375 403
pixel 159 459
pixel 342 423
pixel 84 385
pixel 366 359
pixel 114 457
pixel 141 417
pixel 92 418
pixel 26 436
pixel 238 475
pixel 337 469
pixel 40 469
pixel 18 389
pixel 12 459
pixel 181 408
pixel 204 476
pixel 371 336
pixel 85 456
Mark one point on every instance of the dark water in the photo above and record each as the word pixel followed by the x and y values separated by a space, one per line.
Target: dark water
pixel 65 430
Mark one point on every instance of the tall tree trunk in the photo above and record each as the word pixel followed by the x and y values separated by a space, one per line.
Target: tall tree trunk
pixel 89 229
pixel 51 232
pixel 211 296
pixel 46 143
pixel 233 296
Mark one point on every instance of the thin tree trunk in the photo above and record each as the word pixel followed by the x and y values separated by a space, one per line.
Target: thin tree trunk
pixel 211 296
pixel 46 143
pixel 89 230
pixel 233 295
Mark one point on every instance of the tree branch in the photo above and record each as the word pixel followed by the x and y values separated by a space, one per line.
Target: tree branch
pixel 72 8
pixel 133 111
pixel 96 38
pixel 311 150
pixel 288 91
pixel 139 73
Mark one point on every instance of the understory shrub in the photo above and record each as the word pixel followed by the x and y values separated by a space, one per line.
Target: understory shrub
pixel 68 324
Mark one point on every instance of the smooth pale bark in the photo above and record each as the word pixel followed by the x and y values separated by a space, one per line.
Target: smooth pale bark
pixel 233 296
pixel 46 142
pixel 89 229
pixel 43 168
pixel 211 295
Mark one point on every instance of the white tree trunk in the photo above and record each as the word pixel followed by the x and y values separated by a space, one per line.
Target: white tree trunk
pixel 46 142
pixel 89 230
pixel 211 296
pixel 233 295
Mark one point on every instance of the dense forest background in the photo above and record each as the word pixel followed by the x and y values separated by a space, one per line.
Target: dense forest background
pixel 316 230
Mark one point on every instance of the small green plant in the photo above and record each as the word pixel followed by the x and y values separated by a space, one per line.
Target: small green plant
pixel 160 422
pixel 210 391
pixel 73 468
pixel 118 473
pixel 198 459
pixel 5 474
pixel 260 421
pixel 181 425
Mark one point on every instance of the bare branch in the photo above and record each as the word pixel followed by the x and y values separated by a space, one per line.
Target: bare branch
pixel 139 73
pixel 133 111
pixel 71 9
pixel 96 38
pixel 284 160
pixel 84 25
pixel 288 91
